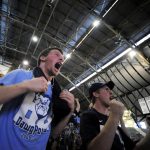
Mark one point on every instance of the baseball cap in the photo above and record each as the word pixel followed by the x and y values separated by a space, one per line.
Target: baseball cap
pixel 95 86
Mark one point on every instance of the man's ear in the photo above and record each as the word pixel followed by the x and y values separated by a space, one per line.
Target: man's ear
pixel 95 94
pixel 43 58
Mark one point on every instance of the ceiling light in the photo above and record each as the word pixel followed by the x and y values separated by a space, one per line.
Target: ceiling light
pixel 84 80
pixel 25 62
pixel 34 38
pixel 110 62
pixel 110 8
pixel 142 40
pixel 132 54
pixel 68 56
pixel 143 125
pixel 114 59
pixel 103 67
pixel 96 23
pixel 51 1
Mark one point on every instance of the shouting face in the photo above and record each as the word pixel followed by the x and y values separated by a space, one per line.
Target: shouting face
pixel 52 63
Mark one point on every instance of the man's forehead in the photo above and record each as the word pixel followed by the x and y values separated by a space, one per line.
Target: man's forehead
pixel 55 50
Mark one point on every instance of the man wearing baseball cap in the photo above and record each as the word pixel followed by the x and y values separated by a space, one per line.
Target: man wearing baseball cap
pixel 99 125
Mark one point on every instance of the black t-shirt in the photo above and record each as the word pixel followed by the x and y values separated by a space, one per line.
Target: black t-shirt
pixel 90 126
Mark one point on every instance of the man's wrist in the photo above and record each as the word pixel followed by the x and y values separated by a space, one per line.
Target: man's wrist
pixel 114 118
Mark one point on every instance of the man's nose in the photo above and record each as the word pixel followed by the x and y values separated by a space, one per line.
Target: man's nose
pixel 110 91
pixel 61 58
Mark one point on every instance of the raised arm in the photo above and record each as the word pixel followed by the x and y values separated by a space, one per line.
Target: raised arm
pixel 105 138
pixel 9 92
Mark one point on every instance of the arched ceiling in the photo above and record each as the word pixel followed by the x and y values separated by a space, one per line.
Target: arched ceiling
pixel 68 24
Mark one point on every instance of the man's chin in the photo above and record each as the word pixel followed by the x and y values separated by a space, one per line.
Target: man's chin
pixel 56 73
pixel 53 73
pixel 106 105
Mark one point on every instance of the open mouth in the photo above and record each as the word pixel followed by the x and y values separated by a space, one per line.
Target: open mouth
pixel 112 97
pixel 58 65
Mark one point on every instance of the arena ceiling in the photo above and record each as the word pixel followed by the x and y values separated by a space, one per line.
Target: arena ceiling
pixel 98 53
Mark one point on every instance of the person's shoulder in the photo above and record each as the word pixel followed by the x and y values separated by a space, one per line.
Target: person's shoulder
pixel 16 71
pixel 15 76
pixel 89 117
pixel 89 113
pixel 21 72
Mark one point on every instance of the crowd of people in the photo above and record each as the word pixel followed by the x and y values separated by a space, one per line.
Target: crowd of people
pixel 38 114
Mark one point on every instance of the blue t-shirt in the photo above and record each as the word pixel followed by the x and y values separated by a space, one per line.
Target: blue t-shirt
pixel 25 121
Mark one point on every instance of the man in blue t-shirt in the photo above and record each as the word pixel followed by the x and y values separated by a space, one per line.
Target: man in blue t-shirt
pixel 32 102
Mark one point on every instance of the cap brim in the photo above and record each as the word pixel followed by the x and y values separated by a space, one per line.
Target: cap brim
pixel 110 84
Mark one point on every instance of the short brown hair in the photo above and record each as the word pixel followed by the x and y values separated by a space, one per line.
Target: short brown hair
pixel 46 52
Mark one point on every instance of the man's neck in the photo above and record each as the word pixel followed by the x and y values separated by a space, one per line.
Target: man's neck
pixel 49 78
pixel 100 108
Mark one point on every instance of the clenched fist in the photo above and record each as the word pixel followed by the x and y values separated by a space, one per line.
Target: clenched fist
pixel 69 98
pixel 116 109
pixel 36 84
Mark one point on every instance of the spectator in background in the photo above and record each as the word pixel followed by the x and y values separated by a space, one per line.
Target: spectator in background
pixel 99 126
pixel 70 137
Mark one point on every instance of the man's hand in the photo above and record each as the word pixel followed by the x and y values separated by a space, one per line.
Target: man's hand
pixel 9 92
pixel 78 104
pixel 36 84
pixel 69 98
pixel 116 108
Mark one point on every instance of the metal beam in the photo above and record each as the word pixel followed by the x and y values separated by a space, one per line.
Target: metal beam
pixel 45 27
pixel 44 5
pixel 74 85
pixel 30 26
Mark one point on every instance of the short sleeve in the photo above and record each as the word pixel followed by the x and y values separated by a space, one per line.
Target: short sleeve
pixel 14 77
